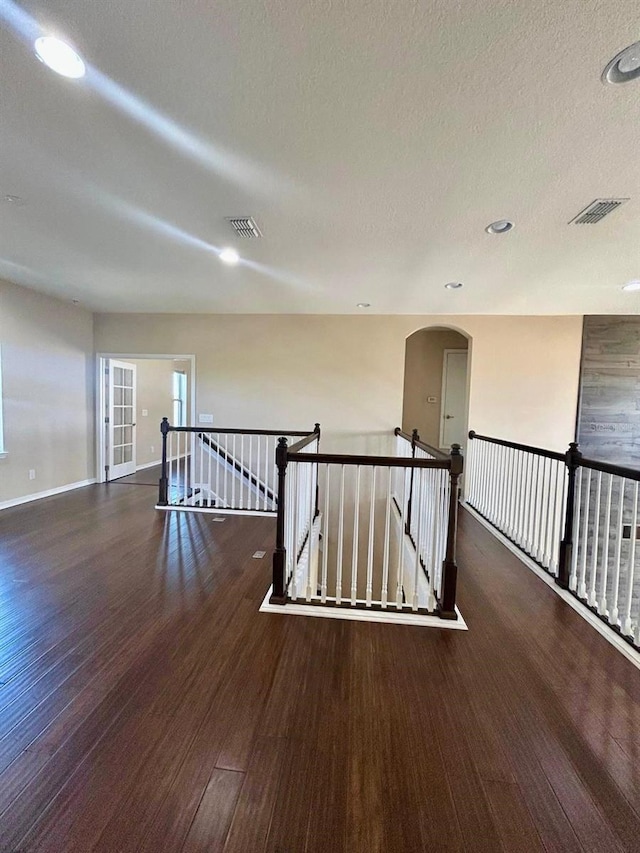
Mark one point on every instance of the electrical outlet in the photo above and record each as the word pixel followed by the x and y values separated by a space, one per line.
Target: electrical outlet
pixel 32 473
pixel 153 449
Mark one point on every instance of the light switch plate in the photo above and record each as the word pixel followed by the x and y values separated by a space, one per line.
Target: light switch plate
pixel 145 413
pixel 205 419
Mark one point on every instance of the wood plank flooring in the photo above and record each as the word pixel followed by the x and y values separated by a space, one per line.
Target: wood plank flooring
pixel 147 707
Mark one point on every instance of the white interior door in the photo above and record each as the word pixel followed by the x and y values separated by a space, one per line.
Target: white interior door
pixel 454 398
pixel 121 424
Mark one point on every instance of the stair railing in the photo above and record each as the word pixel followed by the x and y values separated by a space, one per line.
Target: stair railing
pixel 221 470
pixel 342 522
pixel 577 518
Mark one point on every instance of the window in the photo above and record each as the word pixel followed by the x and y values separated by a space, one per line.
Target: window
pixel 179 398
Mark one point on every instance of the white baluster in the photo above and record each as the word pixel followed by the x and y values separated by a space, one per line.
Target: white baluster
pixel 325 540
pixel 295 538
pixel 340 539
pixel 573 577
pixel 627 625
pixel 372 521
pixel 387 543
pixel 582 586
pixel 185 484
pixel 419 497
pixel 591 598
pixel 403 519
pixel 615 592
pixel 356 531
pixel 311 506
pixel 519 537
pixel 602 599
pixel 225 471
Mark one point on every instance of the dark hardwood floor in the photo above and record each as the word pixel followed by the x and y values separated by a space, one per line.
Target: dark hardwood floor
pixel 147 707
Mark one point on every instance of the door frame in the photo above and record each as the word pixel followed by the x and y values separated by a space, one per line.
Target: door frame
pixel 445 353
pixel 101 412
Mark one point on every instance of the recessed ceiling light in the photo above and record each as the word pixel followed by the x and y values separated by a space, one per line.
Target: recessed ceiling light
pixel 59 57
pixel 625 66
pixel 229 256
pixel 454 285
pixel 500 226
pixel 363 305
pixel 632 285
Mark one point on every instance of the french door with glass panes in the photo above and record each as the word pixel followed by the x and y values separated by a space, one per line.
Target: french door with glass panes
pixel 121 424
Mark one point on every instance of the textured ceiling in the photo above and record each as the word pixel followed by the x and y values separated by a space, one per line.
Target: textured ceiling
pixel 372 141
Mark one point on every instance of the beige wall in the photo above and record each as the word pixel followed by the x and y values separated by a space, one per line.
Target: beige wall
pixel 47 372
pixel 423 378
pixel 347 372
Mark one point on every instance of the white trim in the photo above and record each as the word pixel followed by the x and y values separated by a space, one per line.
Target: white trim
pixel 46 494
pixel 602 628
pixel 356 614
pixel 101 358
pixel 148 465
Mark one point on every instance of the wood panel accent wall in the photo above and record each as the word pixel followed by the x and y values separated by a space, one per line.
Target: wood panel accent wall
pixel 609 406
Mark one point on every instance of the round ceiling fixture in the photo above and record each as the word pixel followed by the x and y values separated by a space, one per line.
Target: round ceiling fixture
pixel 630 286
pixel 229 256
pixel 15 200
pixel 454 285
pixel 500 226
pixel 59 57
pixel 623 67
pixel 363 305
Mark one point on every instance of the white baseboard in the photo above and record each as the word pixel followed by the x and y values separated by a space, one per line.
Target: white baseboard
pixel 148 465
pixel 359 615
pixel 601 627
pixel 36 496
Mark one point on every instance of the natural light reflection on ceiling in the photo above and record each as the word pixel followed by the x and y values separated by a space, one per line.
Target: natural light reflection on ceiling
pixel 215 159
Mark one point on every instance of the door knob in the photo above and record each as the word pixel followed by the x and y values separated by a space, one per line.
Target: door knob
pixel 448 417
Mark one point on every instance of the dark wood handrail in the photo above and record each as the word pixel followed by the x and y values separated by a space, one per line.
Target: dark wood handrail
pixel 439 454
pixel 304 442
pixel 405 435
pixel 382 461
pixel 227 431
pixel 417 442
pixel 527 448
pixel 609 468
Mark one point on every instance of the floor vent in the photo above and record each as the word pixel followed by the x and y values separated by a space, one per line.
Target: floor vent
pixel 245 226
pixel 597 211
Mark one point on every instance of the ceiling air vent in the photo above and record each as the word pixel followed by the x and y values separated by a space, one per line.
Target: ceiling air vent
pixel 597 210
pixel 245 226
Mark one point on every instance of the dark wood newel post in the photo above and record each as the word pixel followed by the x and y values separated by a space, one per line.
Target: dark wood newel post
pixel 163 484
pixel 447 601
pixel 573 458
pixel 407 525
pixel 278 593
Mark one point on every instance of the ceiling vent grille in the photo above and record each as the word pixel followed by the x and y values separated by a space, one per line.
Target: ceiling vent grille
pixel 245 226
pixel 597 211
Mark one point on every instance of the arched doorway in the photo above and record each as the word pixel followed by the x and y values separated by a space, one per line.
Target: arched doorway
pixel 436 383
